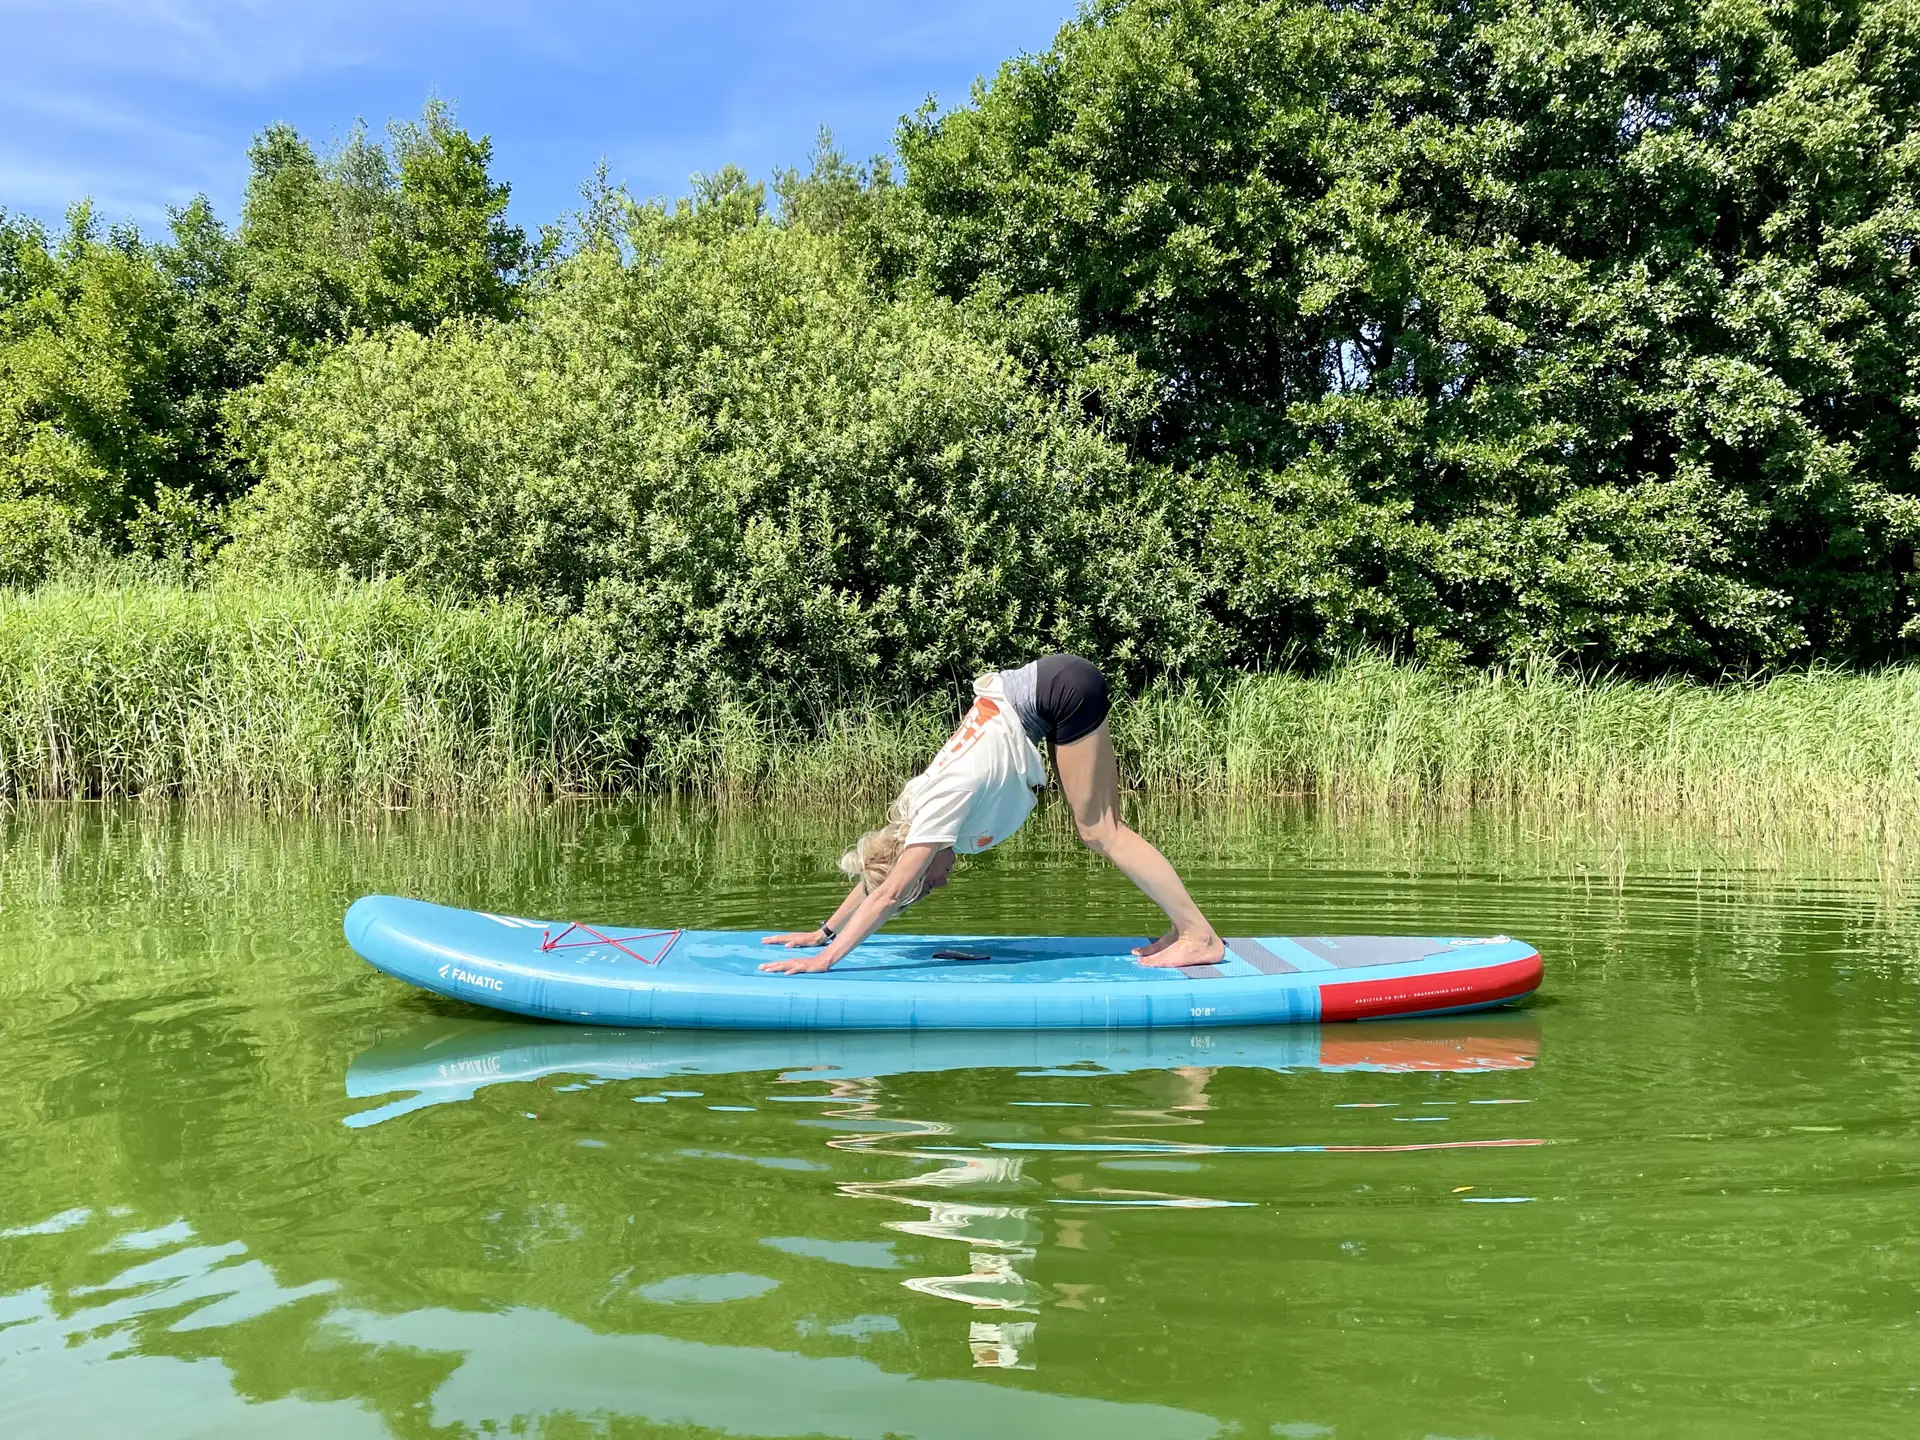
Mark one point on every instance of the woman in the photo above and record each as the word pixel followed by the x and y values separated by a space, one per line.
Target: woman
pixel 980 789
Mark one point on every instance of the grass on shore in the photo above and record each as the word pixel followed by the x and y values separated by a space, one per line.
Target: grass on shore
pixel 297 695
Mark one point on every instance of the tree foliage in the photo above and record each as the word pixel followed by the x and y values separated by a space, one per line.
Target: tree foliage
pixel 407 233
pixel 1260 330
pixel 758 477
pixel 117 353
pixel 1491 326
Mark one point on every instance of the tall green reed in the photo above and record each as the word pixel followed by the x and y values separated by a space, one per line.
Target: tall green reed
pixel 292 694
pixel 297 694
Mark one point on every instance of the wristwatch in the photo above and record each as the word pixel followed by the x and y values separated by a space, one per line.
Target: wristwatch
pixel 826 929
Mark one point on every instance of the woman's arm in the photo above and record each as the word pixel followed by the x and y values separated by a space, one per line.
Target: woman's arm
pixel 836 922
pixel 873 911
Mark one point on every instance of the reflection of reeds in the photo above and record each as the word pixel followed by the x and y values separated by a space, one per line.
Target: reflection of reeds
pixel 299 694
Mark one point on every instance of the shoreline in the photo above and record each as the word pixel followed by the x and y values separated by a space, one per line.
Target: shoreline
pixel 293 695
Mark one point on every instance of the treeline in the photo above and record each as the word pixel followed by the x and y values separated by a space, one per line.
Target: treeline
pixel 1220 335
pixel 120 355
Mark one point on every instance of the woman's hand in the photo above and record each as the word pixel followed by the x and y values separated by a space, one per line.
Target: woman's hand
pixel 861 913
pixel 796 939
pixel 798 965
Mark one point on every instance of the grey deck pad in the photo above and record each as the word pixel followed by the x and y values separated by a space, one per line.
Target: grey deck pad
pixel 1261 958
pixel 1353 950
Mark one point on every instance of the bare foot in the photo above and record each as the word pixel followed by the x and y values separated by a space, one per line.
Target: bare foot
pixel 1188 950
pixel 1157 946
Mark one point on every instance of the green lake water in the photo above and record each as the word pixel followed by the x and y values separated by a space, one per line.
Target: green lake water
pixel 252 1188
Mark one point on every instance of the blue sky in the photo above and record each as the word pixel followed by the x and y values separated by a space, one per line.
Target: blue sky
pixel 143 105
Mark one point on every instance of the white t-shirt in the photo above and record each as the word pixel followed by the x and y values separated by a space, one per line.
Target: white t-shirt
pixel 979 788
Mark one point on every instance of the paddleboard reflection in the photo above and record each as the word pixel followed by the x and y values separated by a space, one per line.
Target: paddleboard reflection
pixel 450 1060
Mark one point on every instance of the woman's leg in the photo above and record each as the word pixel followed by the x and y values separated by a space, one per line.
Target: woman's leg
pixel 1090 779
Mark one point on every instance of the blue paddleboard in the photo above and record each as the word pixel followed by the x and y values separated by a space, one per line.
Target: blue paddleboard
pixel 710 979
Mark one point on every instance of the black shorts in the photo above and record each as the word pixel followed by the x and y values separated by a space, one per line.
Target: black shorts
pixel 1070 697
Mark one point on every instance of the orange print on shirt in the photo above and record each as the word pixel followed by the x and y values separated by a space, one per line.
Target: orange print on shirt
pixel 970 729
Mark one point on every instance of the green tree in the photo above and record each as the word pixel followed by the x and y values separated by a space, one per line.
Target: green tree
pixel 95 418
pixel 1485 327
pixel 412 232
pixel 117 354
pixel 757 477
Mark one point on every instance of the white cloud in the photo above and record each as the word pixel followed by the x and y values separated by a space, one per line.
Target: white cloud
pixel 249 45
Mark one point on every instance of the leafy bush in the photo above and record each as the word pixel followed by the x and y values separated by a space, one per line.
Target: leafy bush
pixel 1491 326
pixel 753 475
pixel 36 539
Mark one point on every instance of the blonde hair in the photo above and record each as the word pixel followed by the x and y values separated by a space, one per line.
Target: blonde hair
pixel 875 853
